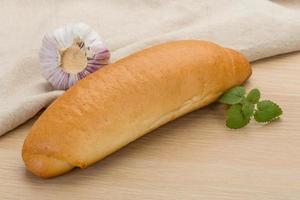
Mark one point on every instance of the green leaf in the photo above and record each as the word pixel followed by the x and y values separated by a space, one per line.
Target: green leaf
pixel 267 111
pixel 253 96
pixel 248 109
pixel 235 117
pixel 233 96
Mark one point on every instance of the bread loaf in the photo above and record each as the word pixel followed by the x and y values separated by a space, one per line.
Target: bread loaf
pixel 127 99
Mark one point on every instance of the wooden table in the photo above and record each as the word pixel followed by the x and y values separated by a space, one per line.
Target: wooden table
pixel 194 157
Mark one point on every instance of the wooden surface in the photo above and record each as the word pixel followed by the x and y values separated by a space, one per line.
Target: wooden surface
pixel 194 157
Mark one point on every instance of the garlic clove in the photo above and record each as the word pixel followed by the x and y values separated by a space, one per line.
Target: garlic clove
pixel 70 53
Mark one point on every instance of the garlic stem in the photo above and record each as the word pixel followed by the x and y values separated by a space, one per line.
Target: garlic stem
pixel 73 59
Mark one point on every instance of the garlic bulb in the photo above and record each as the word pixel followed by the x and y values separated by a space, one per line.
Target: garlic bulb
pixel 70 53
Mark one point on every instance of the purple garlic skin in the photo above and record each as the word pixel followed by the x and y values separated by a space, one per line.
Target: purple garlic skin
pixel 70 53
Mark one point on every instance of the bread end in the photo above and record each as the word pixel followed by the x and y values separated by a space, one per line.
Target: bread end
pixel 45 166
pixel 242 66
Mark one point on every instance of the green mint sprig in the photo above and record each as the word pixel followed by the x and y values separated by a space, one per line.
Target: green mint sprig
pixel 243 107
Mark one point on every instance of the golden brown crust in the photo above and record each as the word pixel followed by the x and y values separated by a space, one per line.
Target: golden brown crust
pixel 123 101
pixel 46 166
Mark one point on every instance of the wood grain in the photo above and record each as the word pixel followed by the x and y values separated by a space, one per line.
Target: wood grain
pixel 194 157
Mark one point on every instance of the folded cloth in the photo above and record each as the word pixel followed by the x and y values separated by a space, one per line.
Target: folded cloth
pixel 257 28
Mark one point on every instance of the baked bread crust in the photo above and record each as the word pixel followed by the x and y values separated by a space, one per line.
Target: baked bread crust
pixel 127 99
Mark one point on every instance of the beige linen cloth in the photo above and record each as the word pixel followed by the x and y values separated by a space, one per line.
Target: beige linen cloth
pixel 257 28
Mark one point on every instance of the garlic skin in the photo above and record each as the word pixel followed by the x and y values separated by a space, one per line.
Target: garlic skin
pixel 70 53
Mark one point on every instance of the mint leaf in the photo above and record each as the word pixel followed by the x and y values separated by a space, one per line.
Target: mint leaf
pixel 253 96
pixel 248 109
pixel 267 111
pixel 233 96
pixel 243 108
pixel 235 117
